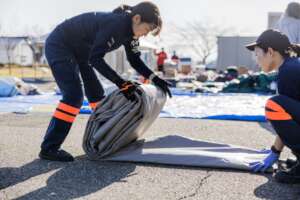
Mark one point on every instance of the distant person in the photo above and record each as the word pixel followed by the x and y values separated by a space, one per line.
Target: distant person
pixel 289 22
pixel 274 51
pixel 161 57
pixel 175 58
pixel 77 46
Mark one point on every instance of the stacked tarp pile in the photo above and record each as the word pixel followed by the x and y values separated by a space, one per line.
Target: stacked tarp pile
pixel 255 83
pixel 12 86
pixel 8 87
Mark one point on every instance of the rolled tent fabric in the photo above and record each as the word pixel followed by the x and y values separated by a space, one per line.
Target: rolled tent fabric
pixel 116 124
pixel 117 121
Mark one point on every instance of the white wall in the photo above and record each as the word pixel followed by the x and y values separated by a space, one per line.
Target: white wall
pixel 232 52
pixel 22 54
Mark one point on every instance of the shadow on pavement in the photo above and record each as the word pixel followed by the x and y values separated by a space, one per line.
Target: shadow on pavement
pixel 71 180
pixel 277 191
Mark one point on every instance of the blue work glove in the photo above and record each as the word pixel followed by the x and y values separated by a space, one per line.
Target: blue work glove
pixel 263 165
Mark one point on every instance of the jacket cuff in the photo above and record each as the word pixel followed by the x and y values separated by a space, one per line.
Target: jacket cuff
pixel 152 76
pixel 274 150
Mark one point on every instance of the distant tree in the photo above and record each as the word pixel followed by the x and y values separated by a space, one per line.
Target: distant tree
pixel 200 37
pixel 9 46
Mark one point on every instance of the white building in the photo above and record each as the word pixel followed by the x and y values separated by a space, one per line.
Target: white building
pixel 15 50
pixel 273 18
pixel 232 52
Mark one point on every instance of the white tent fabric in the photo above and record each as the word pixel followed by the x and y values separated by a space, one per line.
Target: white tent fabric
pixel 117 123
pixel 204 105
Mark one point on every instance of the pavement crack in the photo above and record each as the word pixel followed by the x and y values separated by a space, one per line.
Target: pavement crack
pixel 199 185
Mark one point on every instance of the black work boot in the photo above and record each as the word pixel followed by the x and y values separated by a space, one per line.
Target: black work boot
pixel 290 175
pixel 56 155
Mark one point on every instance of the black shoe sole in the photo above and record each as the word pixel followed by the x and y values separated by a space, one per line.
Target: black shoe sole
pixel 46 157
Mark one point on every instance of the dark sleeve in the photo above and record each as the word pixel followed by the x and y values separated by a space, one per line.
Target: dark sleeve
pixel 133 57
pixel 96 58
pixel 288 82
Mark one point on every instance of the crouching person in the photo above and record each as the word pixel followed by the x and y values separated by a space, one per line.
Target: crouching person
pixel 274 51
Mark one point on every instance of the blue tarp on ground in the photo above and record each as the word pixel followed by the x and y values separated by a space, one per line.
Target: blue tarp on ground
pixel 8 87
pixel 23 104
pixel 222 106
pixel 244 107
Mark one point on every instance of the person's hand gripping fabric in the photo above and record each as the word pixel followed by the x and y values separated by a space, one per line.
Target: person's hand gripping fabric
pixel 128 88
pixel 162 84
pixel 264 165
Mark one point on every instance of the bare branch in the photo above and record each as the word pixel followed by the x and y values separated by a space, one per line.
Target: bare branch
pixel 200 36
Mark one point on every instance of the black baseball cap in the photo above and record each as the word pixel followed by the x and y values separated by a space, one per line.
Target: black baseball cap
pixel 271 38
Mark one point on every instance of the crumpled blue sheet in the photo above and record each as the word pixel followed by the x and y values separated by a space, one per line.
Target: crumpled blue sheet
pixel 23 104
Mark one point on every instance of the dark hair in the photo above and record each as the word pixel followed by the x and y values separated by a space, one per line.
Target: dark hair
pixel 296 49
pixel 123 8
pixel 292 51
pixel 293 10
pixel 148 11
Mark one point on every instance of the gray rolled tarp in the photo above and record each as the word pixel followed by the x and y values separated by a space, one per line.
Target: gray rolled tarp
pixel 113 129
pixel 117 121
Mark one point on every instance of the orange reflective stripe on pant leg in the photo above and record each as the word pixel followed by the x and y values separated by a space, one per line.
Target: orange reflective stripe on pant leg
pixel 278 116
pixel 63 116
pixel 274 106
pixel 68 108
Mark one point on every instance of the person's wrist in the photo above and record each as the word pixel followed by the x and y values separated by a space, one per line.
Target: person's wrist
pixel 120 83
pixel 274 150
pixel 152 76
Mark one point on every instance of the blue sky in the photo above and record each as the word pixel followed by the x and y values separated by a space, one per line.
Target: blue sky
pixel 248 17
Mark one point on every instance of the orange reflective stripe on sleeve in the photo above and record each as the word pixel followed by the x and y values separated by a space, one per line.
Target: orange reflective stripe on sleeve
pixel 68 108
pixel 63 116
pixel 278 116
pixel 94 105
pixel 274 106
pixel 126 87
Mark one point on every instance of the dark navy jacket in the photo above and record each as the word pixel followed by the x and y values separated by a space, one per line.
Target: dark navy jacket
pixel 288 82
pixel 90 36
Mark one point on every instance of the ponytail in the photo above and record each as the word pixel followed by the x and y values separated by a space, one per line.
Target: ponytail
pixel 122 9
pixel 295 48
